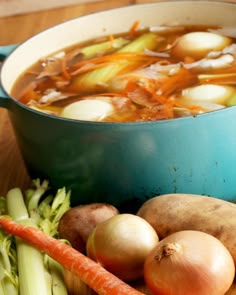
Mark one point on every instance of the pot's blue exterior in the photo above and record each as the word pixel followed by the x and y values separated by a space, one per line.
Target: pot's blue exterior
pixel 6 50
pixel 125 164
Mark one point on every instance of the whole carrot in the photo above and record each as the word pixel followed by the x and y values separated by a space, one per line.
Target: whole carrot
pixel 90 272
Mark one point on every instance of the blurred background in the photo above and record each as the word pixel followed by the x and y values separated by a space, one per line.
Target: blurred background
pixel 13 7
pixel 34 16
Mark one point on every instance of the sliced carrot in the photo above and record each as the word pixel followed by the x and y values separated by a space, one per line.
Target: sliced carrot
pixel 111 39
pixel 133 29
pixel 28 92
pixel 87 68
pixel 182 79
pixel 90 272
pixel 65 72
pixel 118 56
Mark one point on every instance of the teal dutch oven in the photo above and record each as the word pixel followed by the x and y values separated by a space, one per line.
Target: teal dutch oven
pixel 124 163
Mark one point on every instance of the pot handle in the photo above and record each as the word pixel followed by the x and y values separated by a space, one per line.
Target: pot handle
pixel 4 99
pixel 4 52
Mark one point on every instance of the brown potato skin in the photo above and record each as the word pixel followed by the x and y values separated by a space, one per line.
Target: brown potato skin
pixel 77 223
pixel 175 212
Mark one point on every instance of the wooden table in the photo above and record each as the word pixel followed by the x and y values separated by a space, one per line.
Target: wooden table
pixel 16 29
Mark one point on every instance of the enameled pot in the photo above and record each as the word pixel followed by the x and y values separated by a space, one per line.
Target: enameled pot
pixel 124 163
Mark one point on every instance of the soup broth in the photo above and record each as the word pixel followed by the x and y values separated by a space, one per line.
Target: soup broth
pixel 156 73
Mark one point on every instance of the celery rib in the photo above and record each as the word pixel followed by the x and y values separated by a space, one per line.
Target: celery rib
pixel 8 276
pixel 90 81
pixel 30 260
pixel 23 269
pixel 48 213
pixel 8 266
pixel 56 271
pixel 106 47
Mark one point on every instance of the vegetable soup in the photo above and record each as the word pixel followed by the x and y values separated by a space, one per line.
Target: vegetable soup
pixel 156 73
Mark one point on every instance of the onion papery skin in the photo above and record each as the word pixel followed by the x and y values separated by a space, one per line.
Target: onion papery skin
pixel 189 263
pixel 121 245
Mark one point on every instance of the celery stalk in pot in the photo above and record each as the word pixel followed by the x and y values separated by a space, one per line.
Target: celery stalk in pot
pixel 97 78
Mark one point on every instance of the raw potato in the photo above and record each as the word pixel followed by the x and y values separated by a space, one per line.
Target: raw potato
pixel 78 222
pixel 175 212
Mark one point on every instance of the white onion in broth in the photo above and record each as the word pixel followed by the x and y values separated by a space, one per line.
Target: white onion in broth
pixel 199 44
pixel 88 109
pixel 209 93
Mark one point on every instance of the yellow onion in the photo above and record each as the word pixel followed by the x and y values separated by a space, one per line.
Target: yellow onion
pixel 189 263
pixel 121 245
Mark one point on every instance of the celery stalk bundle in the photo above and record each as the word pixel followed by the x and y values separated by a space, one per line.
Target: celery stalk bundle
pixel 23 269
pixel 8 265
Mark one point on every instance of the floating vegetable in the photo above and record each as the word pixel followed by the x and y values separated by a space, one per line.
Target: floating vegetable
pixel 148 68
pixel 99 77
pixel 189 263
pixel 199 44
pixel 209 93
pixel 88 109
